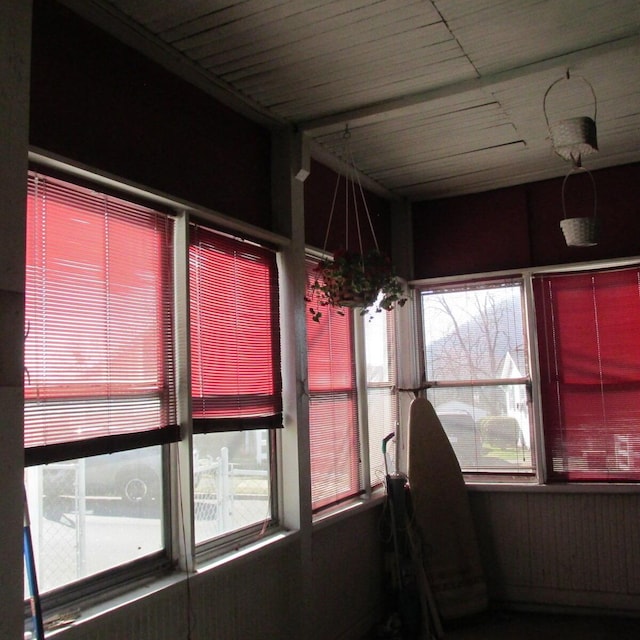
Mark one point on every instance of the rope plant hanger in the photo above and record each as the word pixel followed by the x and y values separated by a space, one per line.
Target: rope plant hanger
pixel 353 278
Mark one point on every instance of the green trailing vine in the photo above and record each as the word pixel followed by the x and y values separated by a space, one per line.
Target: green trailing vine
pixel 351 280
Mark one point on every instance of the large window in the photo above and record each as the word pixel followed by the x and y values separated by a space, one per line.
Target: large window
pixel 333 406
pixel 102 356
pixel 587 348
pixel 477 370
pixel 235 382
pixel 589 338
pixel 99 378
pixel 153 391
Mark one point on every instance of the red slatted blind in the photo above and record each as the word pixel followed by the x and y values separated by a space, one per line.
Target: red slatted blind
pixel 235 340
pixel 589 338
pixel 99 316
pixel 335 471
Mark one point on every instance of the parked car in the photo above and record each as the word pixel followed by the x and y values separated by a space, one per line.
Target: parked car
pixel 135 476
pixel 464 436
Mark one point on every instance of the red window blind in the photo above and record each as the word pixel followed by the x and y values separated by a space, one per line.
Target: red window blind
pixel 235 339
pixel 335 469
pixel 98 352
pixel 589 341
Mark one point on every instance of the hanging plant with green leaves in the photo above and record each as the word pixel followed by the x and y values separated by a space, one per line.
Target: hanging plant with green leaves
pixel 352 279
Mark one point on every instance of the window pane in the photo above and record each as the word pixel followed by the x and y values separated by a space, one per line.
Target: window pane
pixel 382 400
pixel 488 426
pixel 94 514
pixel 235 340
pixel 474 333
pixel 333 415
pixel 476 357
pixel 589 337
pixel 232 482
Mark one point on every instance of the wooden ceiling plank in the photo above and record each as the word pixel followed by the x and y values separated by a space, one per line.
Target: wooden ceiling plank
pixel 320 103
pixel 439 156
pixel 399 134
pixel 318 39
pixel 370 112
pixel 351 78
pixel 323 24
pixel 236 17
pixel 410 48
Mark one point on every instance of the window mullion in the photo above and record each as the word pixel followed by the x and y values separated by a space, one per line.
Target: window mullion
pixel 537 431
pixel 499 382
pixel 182 545
pixel 362 400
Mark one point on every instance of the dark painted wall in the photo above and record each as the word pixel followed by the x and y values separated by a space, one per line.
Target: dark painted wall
pixel 98 102
pixel 319 188
pixel 519 227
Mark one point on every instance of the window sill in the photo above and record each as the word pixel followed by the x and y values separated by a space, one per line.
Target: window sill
pixel 349 508
pixel 531 487
pixel 92 612
pixel 271 541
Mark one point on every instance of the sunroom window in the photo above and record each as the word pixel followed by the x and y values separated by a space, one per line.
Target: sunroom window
pixel 235 383
pixel 589 342
pixel 382 390
pixel 353 399
pixel 477 373
pixel 99 378
pixel 333 406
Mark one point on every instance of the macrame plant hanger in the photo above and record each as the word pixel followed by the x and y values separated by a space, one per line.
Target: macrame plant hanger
pixel 352 178
pixel 353 278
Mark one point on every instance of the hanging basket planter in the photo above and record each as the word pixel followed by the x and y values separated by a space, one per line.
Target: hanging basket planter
pixel 580 231
pixel 355 280
pixel 572 138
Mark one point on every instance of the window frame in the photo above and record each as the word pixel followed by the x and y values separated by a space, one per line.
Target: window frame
pixel 344 391
pixel 177 462
pixel 272 424
pixel 369 484
pixel 492 281
pixel 99 585
pixel 541 476
pixel 374 464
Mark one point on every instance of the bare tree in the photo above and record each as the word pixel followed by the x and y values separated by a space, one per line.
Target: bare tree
pixel 476 331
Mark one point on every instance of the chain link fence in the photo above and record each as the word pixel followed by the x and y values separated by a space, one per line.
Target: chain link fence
pixel 228 496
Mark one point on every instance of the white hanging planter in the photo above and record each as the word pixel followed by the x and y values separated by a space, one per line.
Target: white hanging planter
pixel 573 138
pixel 580 231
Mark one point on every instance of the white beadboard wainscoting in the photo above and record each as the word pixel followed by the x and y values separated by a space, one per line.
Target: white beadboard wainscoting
pixel 547 550
pixel 261 597
pixel 561 549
